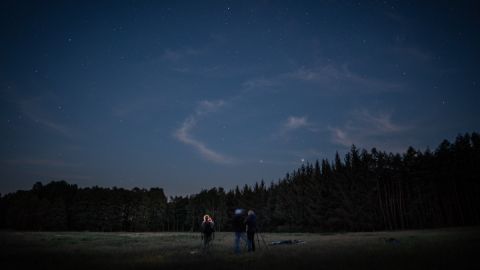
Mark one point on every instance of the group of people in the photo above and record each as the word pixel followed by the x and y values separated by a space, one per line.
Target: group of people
pixel 244 227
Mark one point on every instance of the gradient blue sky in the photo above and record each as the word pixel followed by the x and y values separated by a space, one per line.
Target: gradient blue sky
pixel 186 95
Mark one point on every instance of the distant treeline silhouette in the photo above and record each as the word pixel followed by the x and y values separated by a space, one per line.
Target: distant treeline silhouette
pixel 366 191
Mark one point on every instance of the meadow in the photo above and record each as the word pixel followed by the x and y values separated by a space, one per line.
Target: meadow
pixel 451 248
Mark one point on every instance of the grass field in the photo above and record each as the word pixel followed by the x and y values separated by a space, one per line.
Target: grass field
pixel 453 248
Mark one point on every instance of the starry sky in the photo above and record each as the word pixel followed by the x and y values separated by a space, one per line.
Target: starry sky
pixel 187 95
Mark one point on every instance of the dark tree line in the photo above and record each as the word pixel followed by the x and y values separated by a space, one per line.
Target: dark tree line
pixel 364 191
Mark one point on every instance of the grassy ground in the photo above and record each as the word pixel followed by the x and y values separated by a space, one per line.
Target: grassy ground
pixel 454 248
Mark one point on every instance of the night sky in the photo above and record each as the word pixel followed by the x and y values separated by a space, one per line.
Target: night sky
pixel 186 95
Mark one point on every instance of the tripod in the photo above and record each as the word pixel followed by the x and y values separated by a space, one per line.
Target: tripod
pixel 260 236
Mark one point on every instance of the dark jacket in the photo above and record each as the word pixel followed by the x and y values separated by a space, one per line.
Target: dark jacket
pixel 207 228
pixel 238 223
pixel 251 222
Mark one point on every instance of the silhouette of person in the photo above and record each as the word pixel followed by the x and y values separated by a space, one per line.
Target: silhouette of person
pixel 239 229
pixel 251 223
pixel 208 231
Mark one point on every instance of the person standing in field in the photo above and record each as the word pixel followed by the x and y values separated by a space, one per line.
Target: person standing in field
pixel 251 223
pixel 239 229
pixel 208 231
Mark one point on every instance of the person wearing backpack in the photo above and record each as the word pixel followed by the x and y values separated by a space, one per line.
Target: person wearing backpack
pixel 208 231
pixel 239 229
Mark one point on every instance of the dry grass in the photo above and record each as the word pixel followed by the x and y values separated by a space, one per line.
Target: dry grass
pixel 426 249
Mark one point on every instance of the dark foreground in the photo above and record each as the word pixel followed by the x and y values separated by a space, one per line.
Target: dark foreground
pixel 454 248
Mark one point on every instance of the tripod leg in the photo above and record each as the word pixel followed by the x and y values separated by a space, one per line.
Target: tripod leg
pixel 258 240
pixel 265 243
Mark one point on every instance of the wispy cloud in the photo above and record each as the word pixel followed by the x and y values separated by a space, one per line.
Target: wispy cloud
pixel 330 75
pixel 381 122
pixel 32 110
pixel 176 55
pixel 422 58
pixel 62 129
pixel 366 129
pixel 329 78
pixel 132 106
pixel 206 106
pixel 340 136
pixel 414 53
pixel 292 124
pixel 180 59
pixel 184 133
pixel 259 83
pixel 295 123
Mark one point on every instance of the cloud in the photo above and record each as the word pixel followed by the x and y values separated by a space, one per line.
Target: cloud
pixel 381 122
pixel 413 53
pixel 259 83
pixel 130 106
pixel 180 59
pixel 179 54
pixel 183 134
pixel 422 58
pixel 331 76
pixel 320 75
pixel 341 137
pixel 366 129
pixel 295 122
pixel 207 106
pixel 32 110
